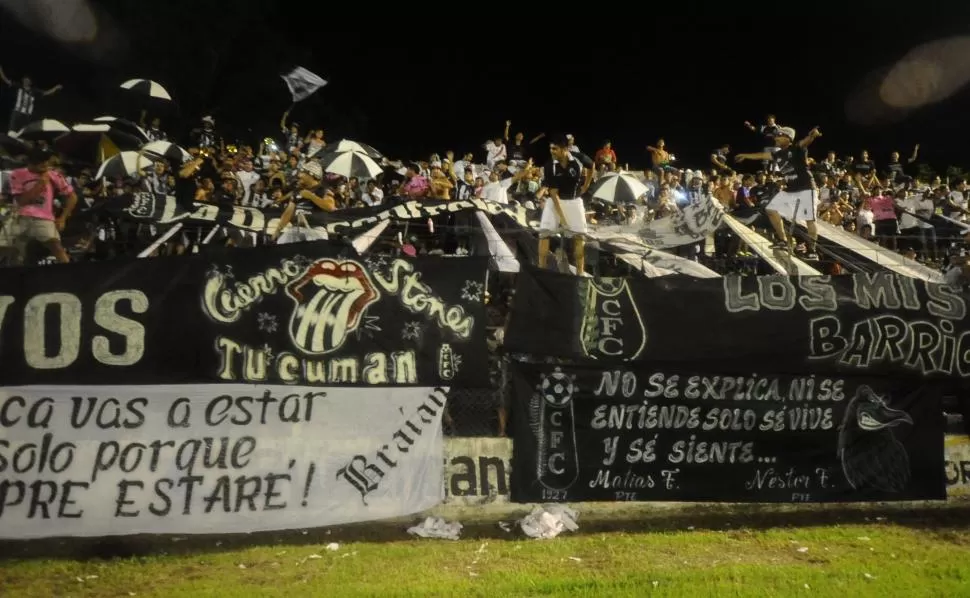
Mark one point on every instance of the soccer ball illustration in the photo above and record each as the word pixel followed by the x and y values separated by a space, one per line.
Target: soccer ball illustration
pixel 557 388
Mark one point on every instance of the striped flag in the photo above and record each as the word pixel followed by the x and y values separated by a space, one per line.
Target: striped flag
pixel 302 83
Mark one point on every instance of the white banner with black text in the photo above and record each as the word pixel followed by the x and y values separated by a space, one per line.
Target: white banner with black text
pixel 211 459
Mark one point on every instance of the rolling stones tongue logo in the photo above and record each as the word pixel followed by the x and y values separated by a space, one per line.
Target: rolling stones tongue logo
pixel 331 299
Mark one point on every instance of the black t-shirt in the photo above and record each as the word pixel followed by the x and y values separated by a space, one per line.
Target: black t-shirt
pixel 763 193
pixel 205 138
pixel 185 188
pixel 792 167
pixel 567 178
pixel 894 170
pixel 306 205
pixel 864 169
pixel 464 190
pixel 517 151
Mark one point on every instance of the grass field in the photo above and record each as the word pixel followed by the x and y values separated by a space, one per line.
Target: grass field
pixel 722 551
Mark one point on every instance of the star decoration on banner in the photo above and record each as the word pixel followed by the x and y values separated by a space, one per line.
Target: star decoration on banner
pixel 268 352
pixel 456 364
pixel 472 291
pixel 411 331
pixel 376 263
pixel 301 261
pixel 267 322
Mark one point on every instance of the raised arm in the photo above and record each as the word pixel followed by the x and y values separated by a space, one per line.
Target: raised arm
pixel 915 154
pixel 762 156
pixel 812 136
pixel 52 90
pixel 3 77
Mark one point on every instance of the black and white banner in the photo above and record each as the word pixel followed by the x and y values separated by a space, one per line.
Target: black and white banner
pixel 302 83
pixel 301 314
pixel 684 434
pixel 205 459
pixel 165 209
pixel 865 323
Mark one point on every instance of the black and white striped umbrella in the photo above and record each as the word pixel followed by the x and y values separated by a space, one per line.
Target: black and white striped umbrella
pixel 12 145
pixel 43 129
pixel 124 124
pixel 618 188
pixel 346 145
pixel 86 143
pixel 350 164
pixel 146 87
pixel 167 150
pixel 123 165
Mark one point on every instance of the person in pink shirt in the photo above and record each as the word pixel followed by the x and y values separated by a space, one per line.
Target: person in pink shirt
pixel 885 225
pixel 416 185
pixel 33 189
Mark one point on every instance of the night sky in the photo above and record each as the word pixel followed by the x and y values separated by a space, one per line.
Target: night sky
pixel 691 79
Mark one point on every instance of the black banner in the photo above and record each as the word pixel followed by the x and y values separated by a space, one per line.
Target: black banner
pixel 589 434
pixel 863 323
pixel 291 314
pixel 165 209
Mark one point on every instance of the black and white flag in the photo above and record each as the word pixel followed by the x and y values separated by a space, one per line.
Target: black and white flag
pixel 302 83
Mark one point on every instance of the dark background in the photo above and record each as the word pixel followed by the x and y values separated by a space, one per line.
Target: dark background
pixel 436 78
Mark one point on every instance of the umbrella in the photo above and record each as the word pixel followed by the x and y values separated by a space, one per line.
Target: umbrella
pixel 146 87
pixel 350 164
pixel 124 124
pixel 12 145
pixel 346 145
pixel 43 129
pixel 123 165
pixel 618 188
pixel 167 150
pixel 92 142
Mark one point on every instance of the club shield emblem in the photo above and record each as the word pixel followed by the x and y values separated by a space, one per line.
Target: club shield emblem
pixel 612 328
pixel 331 299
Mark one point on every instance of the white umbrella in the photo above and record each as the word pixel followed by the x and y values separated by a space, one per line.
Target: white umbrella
pixel 147 87
pixel 618 188
pixel 351 164
pixel 346 145
pixel 123 165
pixel 167 150
pixel 43 129
pixel 123 123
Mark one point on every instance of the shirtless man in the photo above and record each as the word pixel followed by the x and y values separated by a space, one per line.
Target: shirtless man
pixel 660 156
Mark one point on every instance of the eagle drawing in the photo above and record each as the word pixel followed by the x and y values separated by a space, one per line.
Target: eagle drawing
pixel 872 458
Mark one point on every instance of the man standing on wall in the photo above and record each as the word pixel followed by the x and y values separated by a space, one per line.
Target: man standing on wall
pixel 23 104
pixel 33 189
pixel 564 181
pixel 799 199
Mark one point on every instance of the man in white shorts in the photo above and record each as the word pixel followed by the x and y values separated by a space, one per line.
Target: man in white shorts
pixel 564 181
pixel 799 198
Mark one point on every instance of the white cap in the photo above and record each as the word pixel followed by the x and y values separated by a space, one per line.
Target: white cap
pixel 787 132
pixel 313 169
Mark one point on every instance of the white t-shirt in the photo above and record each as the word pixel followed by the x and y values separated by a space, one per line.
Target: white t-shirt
pixel 865 218
pixel 918 205
pixel 497 191
pixel 959 199
pixel 374 198
pixel 495 153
